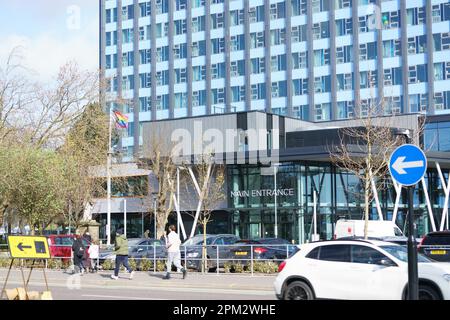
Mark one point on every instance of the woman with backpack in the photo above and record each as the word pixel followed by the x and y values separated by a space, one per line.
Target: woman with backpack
pixel 78 254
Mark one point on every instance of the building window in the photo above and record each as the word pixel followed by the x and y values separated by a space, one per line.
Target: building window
pixel 277 36
pixel 442 100
pixel 198 24
pixel 392 76
pixel 300 86
pixel 322 112
pixel 199 73
pixel 257 40
pixel 298 33
pixel 320 5
pixel 415 16
pixel 180 100
pixel 418 102
pixel 301 112
pixel 218 45
pixel 127 35
pixel 345 110
pixel 146 80
pixel 217 21
pixel 344 81
pixel 255 14
pixel 162 54
pixel 145 9
pixel 237 68
pixel 278 63
pixel 145 104
pixel 368 79
pixel 237 93
pixel 321 57
pixel 300 60
pixel 391 20
pixel 180 4
pixel 237 43
pixel 391 48
pixel 180 51
pixel 344 26
pixel 162 78
pixel 298 7
pixel 199 98
pixel 340 4
pixel 258 91
pixel 417 44
pixel 344 54
pixel 441 41
pixel 279 89
pixel 417 74
pixel 180 75
pixel 368 51
pixel 180 26
pixel 218 96
pixel 218 70
pixel 321 30
pixel 276 10
pixel 322 84
pixel 258 65
pixel 237 17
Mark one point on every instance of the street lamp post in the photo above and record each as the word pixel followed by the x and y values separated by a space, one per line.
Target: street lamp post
pixel 154 195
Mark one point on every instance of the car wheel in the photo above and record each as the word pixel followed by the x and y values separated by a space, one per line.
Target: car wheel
pixel 298 290
pixel 428 293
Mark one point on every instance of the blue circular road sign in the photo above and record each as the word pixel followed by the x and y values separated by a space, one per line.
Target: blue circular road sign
pixel 408 164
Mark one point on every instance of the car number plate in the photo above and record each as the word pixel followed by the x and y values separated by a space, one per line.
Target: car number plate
pixel 240 253
pixel 438 252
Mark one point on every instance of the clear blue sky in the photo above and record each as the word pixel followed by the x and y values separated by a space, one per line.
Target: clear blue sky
pixel 51 32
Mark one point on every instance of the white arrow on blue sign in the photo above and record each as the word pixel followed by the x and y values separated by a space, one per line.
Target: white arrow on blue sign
pixel 408 164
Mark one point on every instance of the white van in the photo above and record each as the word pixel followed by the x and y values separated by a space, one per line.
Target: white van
pixel 355 228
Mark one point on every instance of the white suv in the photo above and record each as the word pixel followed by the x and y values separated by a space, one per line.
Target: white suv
pixel 357 270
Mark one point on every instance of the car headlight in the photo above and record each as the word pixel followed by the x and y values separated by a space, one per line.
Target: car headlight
pixel 447 277
pixel 192 255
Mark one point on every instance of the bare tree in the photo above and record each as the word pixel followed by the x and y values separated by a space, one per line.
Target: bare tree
pixel 366 146
pixel 159 160
pixel 209 177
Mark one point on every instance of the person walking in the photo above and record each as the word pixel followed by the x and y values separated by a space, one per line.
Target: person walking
pixel 78 254
pixel 173 243
pixel 93 254
pixel 146 234
pixel 121 251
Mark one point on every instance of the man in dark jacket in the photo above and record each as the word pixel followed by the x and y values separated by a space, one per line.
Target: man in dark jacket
pixel 121 251
pixel 78 253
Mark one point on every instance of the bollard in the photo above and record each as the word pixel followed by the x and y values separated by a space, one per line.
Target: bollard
pixel 251 258
pixel 154 258
pixel 217 261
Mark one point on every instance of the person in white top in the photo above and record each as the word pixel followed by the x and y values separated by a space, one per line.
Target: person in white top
pixel 93 255
pixel 173 243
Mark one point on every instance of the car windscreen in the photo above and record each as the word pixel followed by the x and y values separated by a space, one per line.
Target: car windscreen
pixel 401 253
pixel 197 241
pixel 133 243
pixel 437 240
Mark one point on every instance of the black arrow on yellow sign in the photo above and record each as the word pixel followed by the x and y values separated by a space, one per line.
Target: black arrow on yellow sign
pixel 21 247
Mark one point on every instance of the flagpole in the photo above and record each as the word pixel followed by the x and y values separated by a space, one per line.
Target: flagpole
pixel 108 174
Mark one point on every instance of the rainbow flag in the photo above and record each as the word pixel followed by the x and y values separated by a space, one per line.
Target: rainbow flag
pixel 121 119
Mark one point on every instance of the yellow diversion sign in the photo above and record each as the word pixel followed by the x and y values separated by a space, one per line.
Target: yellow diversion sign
pixel 28 247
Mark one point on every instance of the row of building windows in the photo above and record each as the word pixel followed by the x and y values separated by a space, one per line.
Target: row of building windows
pixel 345 81
pixel 367 51
pixel 415 16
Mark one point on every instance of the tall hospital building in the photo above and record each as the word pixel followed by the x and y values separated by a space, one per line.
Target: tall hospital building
pixel 298 70
pixel 311 59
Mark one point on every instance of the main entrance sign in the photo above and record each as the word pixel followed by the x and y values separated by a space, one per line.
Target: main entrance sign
pixel 408 164
pixel 28 247
pixel 262 193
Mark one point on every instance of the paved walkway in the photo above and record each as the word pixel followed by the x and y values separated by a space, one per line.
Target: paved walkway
pixel 148 285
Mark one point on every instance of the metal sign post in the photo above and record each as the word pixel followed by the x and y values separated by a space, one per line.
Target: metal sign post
pixel 408 165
